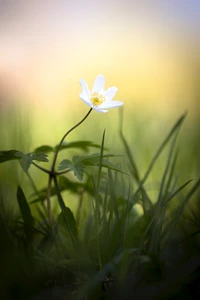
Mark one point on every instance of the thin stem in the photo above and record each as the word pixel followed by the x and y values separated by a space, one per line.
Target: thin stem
pixel 62 172
pixel 35 189
pixel 62 206
pixel 32 183
pixel 52 174
pixel 60 199
pixel 66 134
pixel 41 168
pixel 49 204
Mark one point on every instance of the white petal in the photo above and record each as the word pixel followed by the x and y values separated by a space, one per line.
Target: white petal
pixel 111 104
pixel 99 109
pixel 85 88
pixel 110 93
pixel 85 99
pixel 98 84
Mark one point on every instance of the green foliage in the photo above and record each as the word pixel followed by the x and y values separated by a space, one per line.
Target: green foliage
pixel 24 159
pixel 79 163
pixel 75 166
pixel 104 249
pixel 24 207
pixel 67 228
pixel 28 220
pixel 83 145
pixel 8 155
pixel 65 184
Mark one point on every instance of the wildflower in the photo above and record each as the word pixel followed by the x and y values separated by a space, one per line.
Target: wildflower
pixel 99 99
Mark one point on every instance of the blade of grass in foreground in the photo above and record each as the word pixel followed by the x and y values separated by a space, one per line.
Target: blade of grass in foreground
pixel 174 129
pixel 156 229
pixel 97 185
pixel 179 211
pixel 25 212
pixel 134 170
pixel 133 166
pixel 97 206
pixel 159 211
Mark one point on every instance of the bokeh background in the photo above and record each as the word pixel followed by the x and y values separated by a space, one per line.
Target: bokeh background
pixel 148 49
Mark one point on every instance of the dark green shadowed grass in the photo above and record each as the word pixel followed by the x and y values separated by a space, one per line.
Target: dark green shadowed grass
pixel 105 248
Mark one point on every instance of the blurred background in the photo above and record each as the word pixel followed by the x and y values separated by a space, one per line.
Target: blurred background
pixel 148 49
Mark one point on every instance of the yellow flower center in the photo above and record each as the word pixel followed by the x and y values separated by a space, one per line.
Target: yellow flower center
pixel 97 98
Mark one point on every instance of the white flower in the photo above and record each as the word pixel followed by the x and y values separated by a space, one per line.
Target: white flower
pixel 99 99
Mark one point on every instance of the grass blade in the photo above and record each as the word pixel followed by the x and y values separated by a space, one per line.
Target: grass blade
pixel 25 212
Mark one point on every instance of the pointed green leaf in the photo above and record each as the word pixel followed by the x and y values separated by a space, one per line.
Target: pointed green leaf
pixel 78 144
pixel 66 226
pixel 79 171
pixel 8 155
pixel 65 164
pixel 109 165
pixel 25 161
pixel 77 168
pixel 44 149
pixel 84 145
pixel 24 207
pixel 39 156
pixel 94 160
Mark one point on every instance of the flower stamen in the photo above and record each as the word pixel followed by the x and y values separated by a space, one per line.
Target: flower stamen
pixel 97 98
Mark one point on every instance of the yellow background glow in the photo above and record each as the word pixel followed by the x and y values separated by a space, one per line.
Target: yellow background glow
pixel 46 46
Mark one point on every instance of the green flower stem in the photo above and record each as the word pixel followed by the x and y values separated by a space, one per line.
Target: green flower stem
pixel 66 134
pixel 53 174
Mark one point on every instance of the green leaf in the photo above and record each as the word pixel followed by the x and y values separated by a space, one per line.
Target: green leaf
pixel 8 155
pixel 79 162
pixel 66 225
pixel 77 168
pixel 65 164
pixel 25 212
pixel 39 156
pixel 67 215
pixel 78 144
pixel 65 185
pixel 26 159
pixel 79 171
pixel 74 187
pixel 94 160
pixel 109 165
pixel 44 149
pixel 84 145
